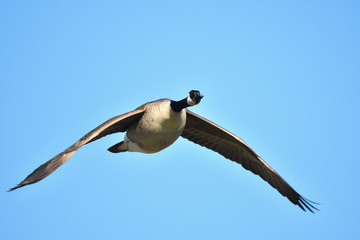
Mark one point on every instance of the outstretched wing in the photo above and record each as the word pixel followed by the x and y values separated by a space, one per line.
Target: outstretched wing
pixel 116 124
pixel 207 134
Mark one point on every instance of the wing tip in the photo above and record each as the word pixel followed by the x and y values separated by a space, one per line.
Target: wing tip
pixel 16 187
pixel 306 204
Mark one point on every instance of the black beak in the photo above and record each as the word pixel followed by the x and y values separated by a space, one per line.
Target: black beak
pixel 198 97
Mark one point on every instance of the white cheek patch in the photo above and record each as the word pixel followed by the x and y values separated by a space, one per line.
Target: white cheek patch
pixel 190 101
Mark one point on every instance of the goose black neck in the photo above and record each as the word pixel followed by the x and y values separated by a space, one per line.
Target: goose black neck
pixel 177 106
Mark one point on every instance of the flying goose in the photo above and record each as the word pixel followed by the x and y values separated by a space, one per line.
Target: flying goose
pixel 156 125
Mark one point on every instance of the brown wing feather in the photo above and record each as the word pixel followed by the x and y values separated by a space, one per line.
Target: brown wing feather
pixel 116 124
pixel 207 134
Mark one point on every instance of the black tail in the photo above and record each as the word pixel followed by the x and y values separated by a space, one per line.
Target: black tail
pixel 119 147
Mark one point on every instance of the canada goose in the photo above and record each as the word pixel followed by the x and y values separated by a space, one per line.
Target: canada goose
pixel 156 125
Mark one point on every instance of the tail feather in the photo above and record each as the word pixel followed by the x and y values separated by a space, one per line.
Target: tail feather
pixel 119 147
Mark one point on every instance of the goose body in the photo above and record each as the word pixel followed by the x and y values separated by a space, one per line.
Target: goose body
pixel 158 128
pixel 156 125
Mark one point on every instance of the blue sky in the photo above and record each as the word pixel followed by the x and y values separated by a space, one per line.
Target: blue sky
pixel 282 75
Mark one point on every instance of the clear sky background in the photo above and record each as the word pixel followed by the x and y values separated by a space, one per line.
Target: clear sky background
pixel 282 75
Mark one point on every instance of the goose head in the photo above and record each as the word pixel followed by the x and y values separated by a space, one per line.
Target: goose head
pixel 194 97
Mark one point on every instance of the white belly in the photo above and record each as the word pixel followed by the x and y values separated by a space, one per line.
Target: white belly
pixel 158 128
